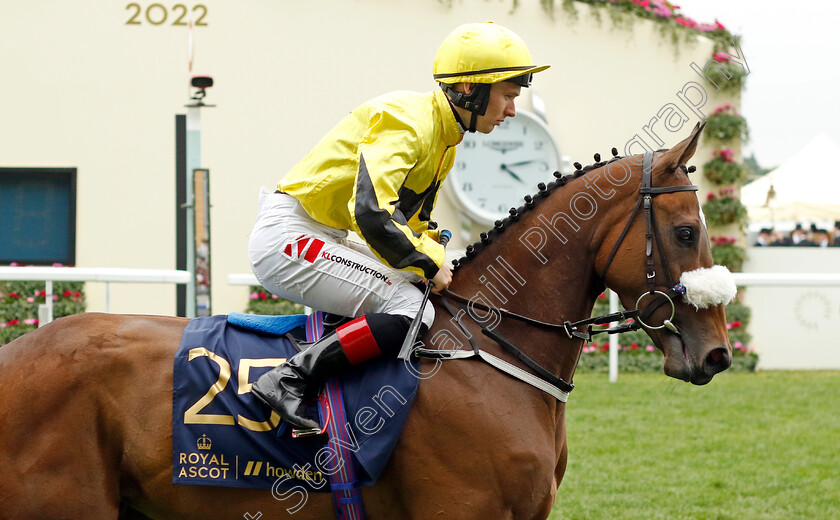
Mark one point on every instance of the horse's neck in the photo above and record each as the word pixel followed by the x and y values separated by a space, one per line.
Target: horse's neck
pixel 554 282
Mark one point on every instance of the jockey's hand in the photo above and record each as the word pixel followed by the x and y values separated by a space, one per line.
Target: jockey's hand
pixel 442 279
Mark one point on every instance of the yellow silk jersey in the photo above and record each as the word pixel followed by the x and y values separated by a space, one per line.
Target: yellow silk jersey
pixel 378 173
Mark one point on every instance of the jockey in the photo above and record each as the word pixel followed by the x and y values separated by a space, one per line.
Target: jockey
pixel 377 173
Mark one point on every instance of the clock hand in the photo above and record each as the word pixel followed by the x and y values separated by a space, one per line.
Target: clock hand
pixel 510 172
pixel 523 163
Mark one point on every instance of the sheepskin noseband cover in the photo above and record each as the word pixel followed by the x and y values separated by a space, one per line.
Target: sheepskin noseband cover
pixel 707 287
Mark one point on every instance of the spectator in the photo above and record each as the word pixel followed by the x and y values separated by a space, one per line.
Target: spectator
pixel 800 238
pixel 764 237
pixel 821 238
pixel 778 239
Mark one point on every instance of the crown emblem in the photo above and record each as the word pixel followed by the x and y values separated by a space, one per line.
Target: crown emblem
pixel 204 442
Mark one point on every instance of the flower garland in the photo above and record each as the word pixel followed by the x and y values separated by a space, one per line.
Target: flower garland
pixel 726 251
pixel 724 208
pixel 668 17
pixel 19 303
pixel 725 124
pixel 261 301
pixel 723 170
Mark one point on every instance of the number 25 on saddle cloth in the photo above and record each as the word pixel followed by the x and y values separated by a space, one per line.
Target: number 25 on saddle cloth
pixel 223 436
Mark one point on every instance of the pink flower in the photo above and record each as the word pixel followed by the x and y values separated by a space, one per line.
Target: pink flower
pixel 30 299
pixel 721 57
pixel 650 348
pixel 31 321
pixel 253 296
pixel 686 21
pixel 645 4
pixel 661 9
pixel 719 25
pixel 726 154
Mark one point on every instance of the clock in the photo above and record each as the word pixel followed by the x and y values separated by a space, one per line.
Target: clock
pixel 493 172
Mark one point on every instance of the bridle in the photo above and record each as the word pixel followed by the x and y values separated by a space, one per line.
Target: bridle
pixel 645 201
pixel 458 305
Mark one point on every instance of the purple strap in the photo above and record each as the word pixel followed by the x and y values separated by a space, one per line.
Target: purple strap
pixel 347 497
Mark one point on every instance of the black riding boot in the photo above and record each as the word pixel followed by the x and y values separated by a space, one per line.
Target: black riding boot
pixel 288 387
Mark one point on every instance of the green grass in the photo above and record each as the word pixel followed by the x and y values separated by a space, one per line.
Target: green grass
pixel 746 446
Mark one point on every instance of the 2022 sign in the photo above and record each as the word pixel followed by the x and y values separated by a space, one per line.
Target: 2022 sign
pixel 157 14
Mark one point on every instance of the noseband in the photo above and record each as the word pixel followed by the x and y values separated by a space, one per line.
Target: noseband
pixel 546 381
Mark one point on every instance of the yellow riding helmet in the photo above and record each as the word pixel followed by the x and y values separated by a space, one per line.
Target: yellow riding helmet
pixel 484 53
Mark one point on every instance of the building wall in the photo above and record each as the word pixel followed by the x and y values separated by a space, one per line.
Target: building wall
pixel 792 326
pixel 82 88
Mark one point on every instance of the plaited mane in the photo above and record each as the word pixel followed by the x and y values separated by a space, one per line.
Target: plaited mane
pixel 531 200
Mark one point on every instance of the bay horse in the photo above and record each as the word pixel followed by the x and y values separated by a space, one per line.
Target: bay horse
pixel 86 401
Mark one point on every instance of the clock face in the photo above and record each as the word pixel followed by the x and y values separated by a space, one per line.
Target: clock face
pixel 493 172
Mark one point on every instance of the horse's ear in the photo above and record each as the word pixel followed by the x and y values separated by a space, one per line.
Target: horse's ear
pixel 682 152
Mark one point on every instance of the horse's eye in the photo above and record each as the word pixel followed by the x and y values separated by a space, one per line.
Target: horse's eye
pixel 685 235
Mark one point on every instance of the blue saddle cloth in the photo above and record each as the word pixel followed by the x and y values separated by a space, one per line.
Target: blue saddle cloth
pixel 276 325
pixel 223 436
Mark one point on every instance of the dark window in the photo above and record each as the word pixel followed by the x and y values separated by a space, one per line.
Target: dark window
pixel 38 215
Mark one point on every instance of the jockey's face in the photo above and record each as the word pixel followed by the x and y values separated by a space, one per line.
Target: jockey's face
pixel 501 106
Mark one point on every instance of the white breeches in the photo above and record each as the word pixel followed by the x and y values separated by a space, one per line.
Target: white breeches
pixel 301 260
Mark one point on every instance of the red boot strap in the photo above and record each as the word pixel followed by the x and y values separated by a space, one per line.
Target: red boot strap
pixel 357 341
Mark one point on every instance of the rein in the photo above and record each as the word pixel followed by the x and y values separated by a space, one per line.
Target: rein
pixel 545 380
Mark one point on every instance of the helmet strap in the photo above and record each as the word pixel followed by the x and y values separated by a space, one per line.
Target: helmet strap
pixel 458 119
pixel 475 102
pixel 473 121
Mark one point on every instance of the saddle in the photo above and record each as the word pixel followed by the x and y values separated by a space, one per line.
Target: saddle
pixel 291 327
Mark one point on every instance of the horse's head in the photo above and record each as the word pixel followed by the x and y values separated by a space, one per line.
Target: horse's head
pixel 664 247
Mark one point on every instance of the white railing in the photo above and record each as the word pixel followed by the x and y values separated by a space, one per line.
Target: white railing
pixel 787 279
pixel 107 275
pixel 242 279
pixel 741 279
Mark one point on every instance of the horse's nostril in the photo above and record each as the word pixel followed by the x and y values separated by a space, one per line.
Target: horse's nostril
pixel 717 360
